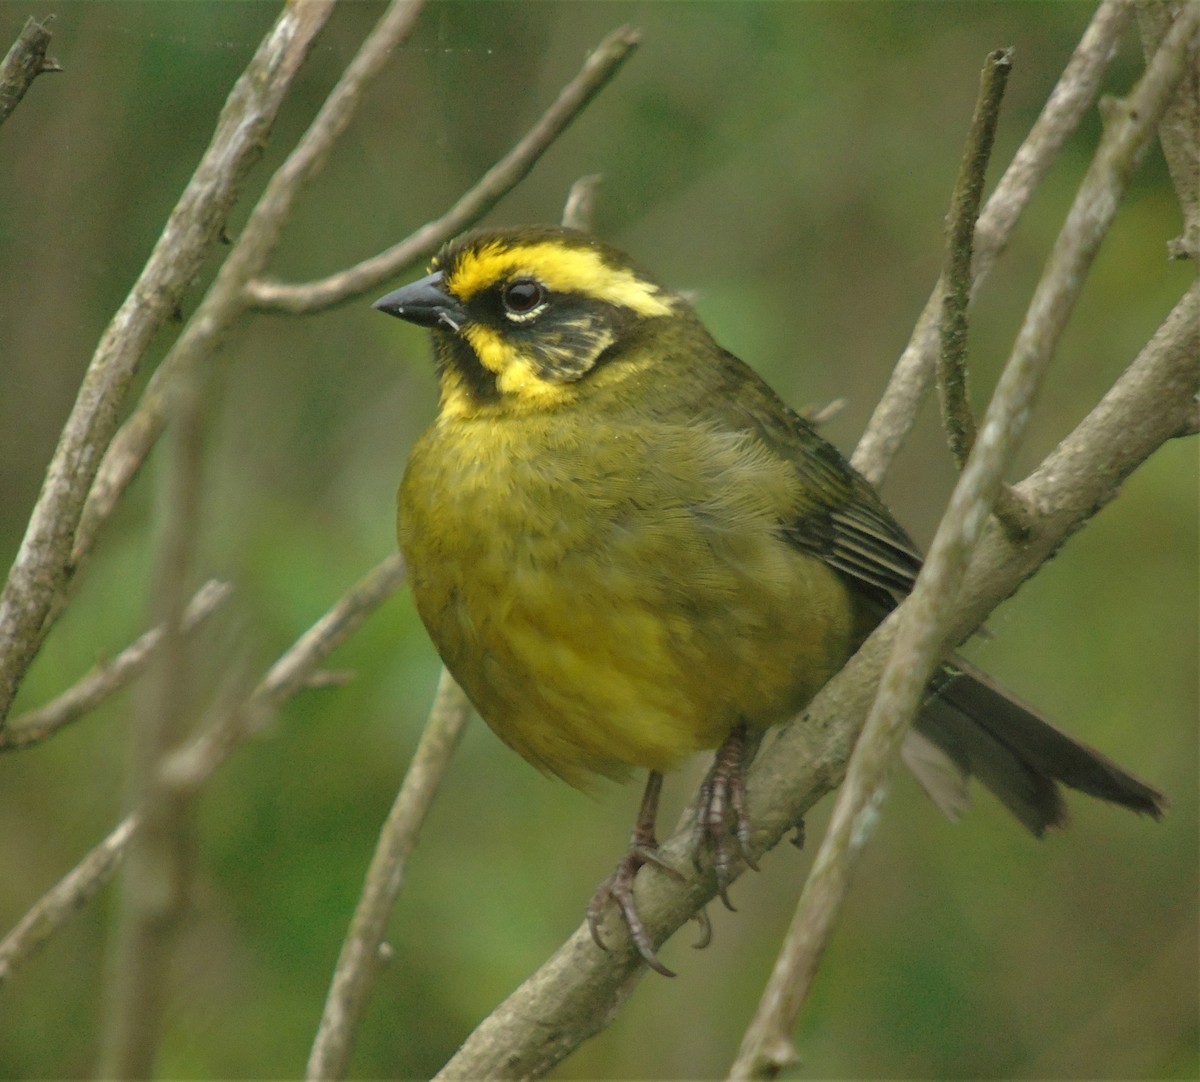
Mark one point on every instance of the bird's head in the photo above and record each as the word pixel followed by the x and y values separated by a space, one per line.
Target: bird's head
pixel 521 318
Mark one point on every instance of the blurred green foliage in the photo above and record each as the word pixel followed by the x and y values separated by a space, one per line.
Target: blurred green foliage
pixel 789 162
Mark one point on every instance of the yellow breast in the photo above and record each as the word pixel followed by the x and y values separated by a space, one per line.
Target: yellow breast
pixel 620 602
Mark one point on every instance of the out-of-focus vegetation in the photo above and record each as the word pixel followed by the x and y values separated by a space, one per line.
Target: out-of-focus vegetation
pixel 791 163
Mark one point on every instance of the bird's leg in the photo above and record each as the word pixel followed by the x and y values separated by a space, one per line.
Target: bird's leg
pixel 618 887
pixel 721 821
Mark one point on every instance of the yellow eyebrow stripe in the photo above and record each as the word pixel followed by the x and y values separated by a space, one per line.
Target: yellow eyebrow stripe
pixel 563 269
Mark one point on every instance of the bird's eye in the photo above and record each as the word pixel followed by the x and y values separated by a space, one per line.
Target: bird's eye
pixel 523 297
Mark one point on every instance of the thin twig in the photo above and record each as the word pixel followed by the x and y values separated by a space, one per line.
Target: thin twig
pixel 194 765
pixel 107 678
pixel 1072 96
pixel 23 63
pixel 361 955
pixel 226 299
pixel 197 762
pixel 923 631
pixel 64 899
pixel 1179 130
pixel 44 565
pixel 601 65
pixel 957 417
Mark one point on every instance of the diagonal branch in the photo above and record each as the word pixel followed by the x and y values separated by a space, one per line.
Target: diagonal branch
pixel 191 767
pixel 45 562
pixel 226 299
pixel 929 612
pixel 359 961
pixel 1072 96
pixel 107 678
pixel 1179 130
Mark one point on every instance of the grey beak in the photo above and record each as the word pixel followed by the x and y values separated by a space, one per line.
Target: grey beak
pixel 425 303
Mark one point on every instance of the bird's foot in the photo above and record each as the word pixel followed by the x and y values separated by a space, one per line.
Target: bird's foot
pixel 722 826
pixel 618 887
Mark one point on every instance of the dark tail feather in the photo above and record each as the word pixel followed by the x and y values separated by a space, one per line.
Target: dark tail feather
pixel 986 732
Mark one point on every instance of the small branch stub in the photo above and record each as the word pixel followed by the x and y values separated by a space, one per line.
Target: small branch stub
pixel 24 62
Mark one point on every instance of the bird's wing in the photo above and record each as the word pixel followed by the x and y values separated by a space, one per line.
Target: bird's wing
pixel 839 517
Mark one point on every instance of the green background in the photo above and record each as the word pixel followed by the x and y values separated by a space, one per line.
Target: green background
pixel 791 163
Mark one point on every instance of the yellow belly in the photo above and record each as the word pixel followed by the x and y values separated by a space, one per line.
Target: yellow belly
pixel 612 607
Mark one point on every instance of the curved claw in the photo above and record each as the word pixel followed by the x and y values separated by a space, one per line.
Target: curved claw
pixel 618 888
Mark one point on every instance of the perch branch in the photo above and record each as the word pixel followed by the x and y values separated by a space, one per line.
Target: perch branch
pixel 922 636
pixel 580 988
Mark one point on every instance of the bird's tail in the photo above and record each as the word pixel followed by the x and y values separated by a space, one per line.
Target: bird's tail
pixel 986 732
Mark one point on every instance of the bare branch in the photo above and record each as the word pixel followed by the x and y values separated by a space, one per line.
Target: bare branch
pixel 923 632
pixel 1179 130
pixel 1073 94
pixel 957 418
pixel 107 678
pixel 44 564
pixel 601 65
pixel 23 63
pixel 195 764
pixel 361 956
pixel 226 299
pixel 65 899
pixel 579 989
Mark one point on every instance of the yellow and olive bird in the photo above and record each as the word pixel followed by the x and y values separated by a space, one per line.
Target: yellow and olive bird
pixel 627 549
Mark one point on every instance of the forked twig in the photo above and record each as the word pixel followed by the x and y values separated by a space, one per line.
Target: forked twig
pixel 196 763
pixel 922 630
pixel 1072 96
pixel 45 563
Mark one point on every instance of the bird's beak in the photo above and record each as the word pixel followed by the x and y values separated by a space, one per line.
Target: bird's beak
pixel 425 303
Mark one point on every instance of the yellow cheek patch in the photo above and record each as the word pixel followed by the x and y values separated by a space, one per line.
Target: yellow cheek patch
pixel 516 374
pixel 559 268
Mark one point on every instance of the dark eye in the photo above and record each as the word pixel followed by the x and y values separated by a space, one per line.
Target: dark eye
pixel 523 296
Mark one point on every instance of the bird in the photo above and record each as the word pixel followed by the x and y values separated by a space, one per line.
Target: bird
pixel 627 549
